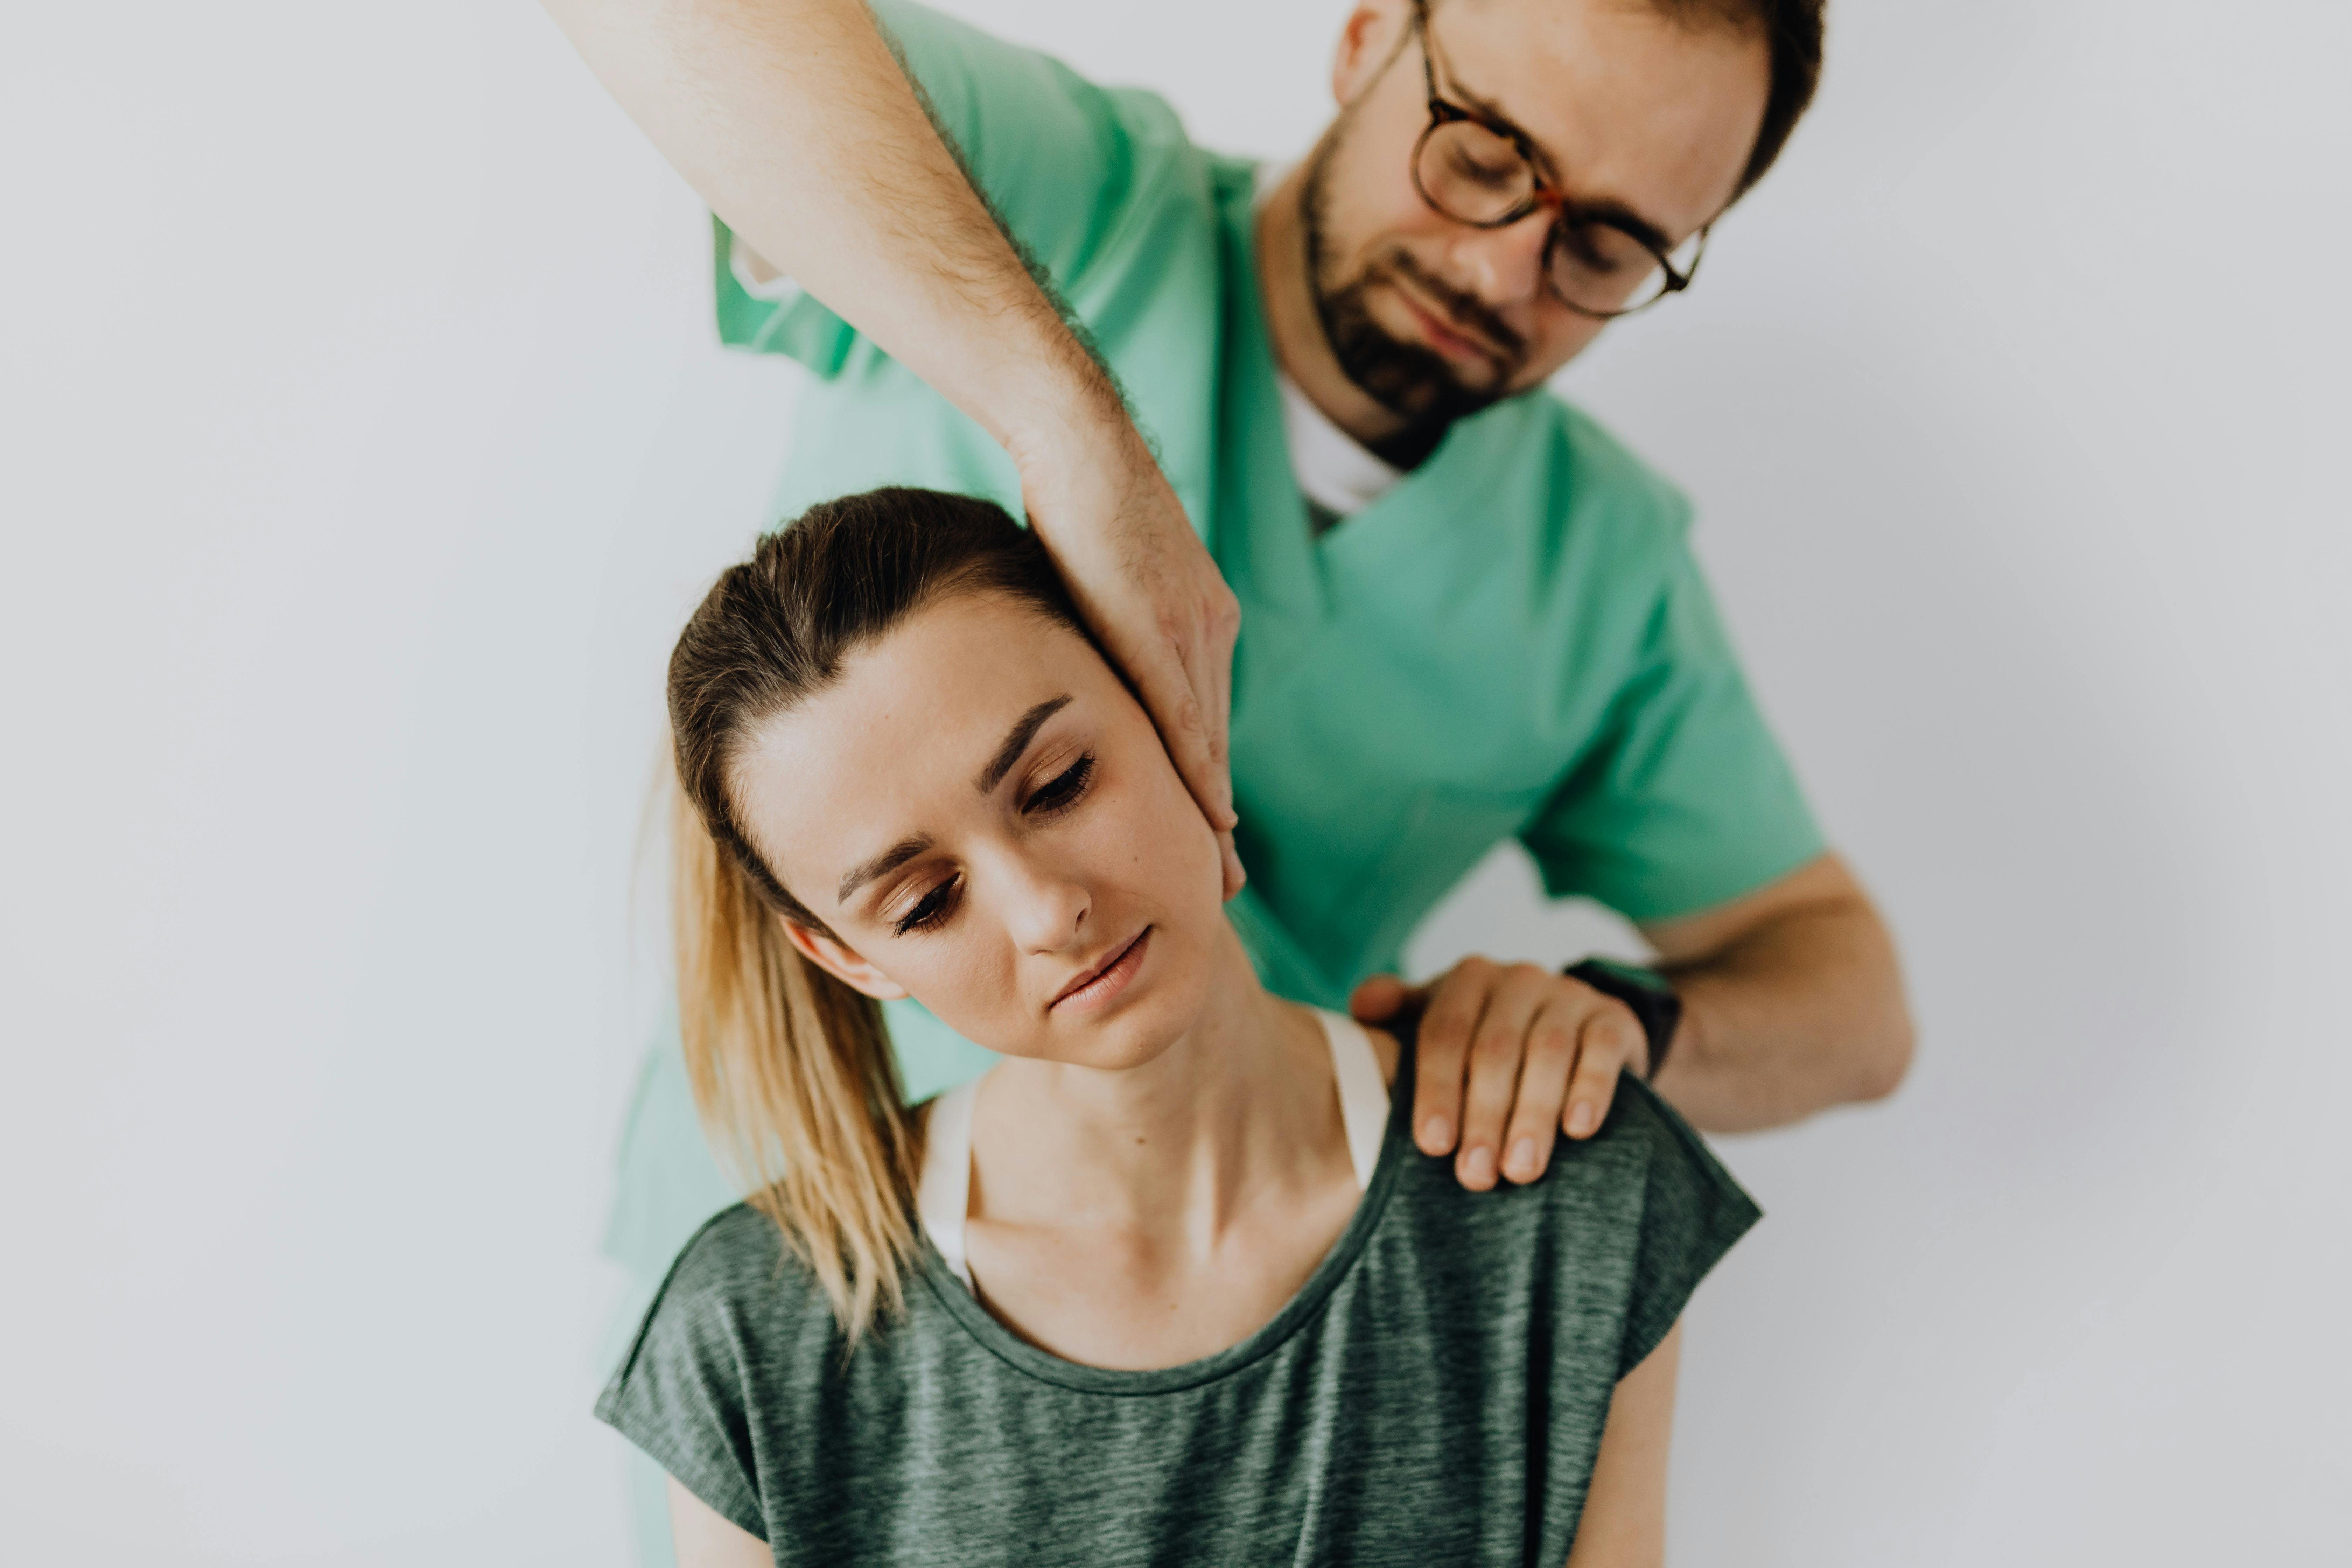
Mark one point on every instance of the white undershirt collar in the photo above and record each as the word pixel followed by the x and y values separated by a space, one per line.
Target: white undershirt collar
pixel 1333 468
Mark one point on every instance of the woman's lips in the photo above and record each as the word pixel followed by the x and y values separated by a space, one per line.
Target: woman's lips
pixel 1096 988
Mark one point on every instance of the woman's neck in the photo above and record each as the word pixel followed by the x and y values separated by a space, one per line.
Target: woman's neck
pixel 1242 1107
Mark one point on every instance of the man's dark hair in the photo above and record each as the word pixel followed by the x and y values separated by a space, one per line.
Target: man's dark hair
pixel 1793 28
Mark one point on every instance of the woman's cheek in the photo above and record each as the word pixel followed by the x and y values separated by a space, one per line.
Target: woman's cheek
pixel 947 972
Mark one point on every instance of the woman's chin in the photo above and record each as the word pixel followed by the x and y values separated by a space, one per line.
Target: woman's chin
pixel 1130 1036
pixel 1136 1033
pixel 1157 1007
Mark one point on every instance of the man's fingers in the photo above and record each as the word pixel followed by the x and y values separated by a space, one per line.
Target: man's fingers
pixel 1441 1049
pixel 1608 1042
pixel 1235 876
pixel 1177 713
pixel 1514 997
pixel 1381 998
pixel 1202 645
pixel 1210 663
pixel 1537 1115
pixel 1154 596
pixel 1166 688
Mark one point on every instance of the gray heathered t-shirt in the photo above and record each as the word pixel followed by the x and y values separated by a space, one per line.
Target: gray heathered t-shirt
pixel 1435 1392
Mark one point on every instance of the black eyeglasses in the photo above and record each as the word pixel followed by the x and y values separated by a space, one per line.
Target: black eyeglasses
pixel 1476 171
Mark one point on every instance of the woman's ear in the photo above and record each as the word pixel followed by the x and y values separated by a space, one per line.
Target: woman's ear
pixel 842 962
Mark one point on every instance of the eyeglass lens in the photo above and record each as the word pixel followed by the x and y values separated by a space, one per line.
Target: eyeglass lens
pixel 1473 174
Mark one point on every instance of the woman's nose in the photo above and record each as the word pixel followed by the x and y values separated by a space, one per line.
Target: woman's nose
pixel 1046 911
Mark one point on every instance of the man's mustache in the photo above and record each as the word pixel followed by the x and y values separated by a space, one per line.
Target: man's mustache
pixel 1468 309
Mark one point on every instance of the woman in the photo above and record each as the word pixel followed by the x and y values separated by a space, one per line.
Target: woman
pixel 1169 1283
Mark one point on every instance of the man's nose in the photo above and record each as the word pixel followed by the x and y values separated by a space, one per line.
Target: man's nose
pixel 1505 265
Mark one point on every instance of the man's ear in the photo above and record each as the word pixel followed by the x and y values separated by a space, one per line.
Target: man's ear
pixel 842 962
pixel 1366 40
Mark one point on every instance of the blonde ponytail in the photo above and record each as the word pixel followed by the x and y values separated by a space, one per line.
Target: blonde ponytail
pixel 792 1069
pixel 793 1075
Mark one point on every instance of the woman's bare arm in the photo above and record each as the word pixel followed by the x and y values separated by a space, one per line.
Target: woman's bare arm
pixel 704 1538
pixel 792 120
pixel 1625 1523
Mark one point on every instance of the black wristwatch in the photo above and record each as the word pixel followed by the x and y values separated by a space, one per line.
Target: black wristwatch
pixel 1643 990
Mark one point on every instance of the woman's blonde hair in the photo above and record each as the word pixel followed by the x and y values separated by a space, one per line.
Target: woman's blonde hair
pixel 792 1069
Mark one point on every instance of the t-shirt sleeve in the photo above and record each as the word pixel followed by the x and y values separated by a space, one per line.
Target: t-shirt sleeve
pixel 679 1394
pixel 1685 801
pixel 1691 1212
pixel 1049 151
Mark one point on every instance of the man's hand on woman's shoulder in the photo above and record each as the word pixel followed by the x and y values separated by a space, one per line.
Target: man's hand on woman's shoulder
pixel 1540 1053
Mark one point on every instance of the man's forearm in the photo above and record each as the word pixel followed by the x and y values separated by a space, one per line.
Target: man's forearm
pixel 793 119
pixel 1801 1010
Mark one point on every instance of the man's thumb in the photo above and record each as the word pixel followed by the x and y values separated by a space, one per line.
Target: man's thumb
pixel 1378 998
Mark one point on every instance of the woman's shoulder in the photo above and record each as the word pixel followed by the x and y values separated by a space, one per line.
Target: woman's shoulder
pixel 1633 1218
pixel 1641 1133
pixel 1643 1159
pixel 723 1334
pixel 1647 1171
pixel 736 1288
pixel 1641 1118
pixel 732 1245
pixel 1692 1211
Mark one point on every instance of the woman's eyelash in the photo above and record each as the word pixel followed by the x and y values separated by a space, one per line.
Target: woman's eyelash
pixel 1062 791
pixel 1057 795
pixel 932 908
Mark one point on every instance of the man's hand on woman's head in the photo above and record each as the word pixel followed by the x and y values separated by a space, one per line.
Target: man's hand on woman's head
pixel 874 214
pixel 1540 1051
pixel 1153 595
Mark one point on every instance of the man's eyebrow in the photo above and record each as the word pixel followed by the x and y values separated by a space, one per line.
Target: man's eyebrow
pixel 1609 207
pixel 882 865
pixel 1016 740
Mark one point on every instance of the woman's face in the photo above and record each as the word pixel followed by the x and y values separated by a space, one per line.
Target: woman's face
pixel 987 820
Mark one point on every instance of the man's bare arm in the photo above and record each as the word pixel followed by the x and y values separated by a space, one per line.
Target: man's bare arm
pixel 1793 1002
pixel 793 119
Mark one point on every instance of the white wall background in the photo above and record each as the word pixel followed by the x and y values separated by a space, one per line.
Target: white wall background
pixel 364 442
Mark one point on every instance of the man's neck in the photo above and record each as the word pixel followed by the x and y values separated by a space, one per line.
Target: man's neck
pixel 1300 345
pixel 1244 1103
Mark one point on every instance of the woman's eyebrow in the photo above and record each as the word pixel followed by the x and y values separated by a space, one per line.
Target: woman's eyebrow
pixel 1016 740
pixel 882 865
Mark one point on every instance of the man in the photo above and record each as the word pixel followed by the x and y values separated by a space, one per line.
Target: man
pixel 1463 612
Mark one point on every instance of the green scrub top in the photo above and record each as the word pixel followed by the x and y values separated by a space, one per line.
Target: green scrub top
pixel 1513 640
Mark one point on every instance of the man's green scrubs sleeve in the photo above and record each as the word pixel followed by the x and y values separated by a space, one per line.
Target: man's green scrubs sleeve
pixel 1685 800
pixel 1049 151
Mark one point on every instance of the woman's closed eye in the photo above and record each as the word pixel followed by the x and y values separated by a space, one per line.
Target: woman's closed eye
pixel 1055 796
pixel 1062 791
pixel 931 909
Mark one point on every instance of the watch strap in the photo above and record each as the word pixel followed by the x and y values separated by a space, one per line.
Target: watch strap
pixel 1646 990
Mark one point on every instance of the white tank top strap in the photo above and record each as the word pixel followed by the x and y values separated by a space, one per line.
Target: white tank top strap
pixel 943 1197
pixel 1363 1093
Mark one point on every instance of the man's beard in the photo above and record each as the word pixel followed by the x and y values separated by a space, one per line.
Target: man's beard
pixel 1409 380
